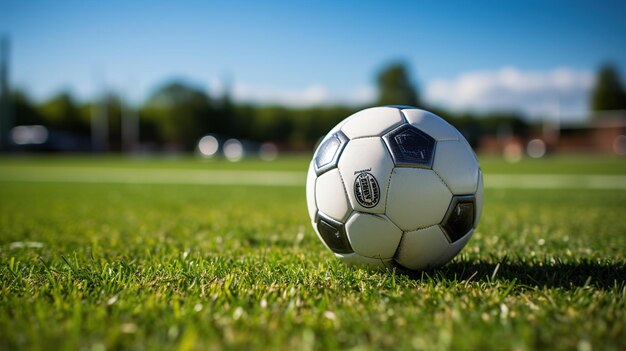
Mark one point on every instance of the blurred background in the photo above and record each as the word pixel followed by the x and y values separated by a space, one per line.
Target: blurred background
pixel 239 79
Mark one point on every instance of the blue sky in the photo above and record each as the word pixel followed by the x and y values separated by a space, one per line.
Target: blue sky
pixel 463 55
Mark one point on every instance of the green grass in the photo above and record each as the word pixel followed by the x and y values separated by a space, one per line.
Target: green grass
pixel 551 164
pixel 579 164
pixel 284 163
pixel 195 267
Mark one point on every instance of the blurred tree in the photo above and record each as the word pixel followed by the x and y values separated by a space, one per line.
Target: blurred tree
pixel 26 112
pixel 182 114
pixel 395 86
pixel 113 105
pixel 608 92
pixel 274 123
pixel 313 123
pixel 62 112
pixel 299 128
pixel 230 123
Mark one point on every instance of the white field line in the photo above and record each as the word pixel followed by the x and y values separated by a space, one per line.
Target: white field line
pixel 273 178
pixel 555 181
pixel 150 176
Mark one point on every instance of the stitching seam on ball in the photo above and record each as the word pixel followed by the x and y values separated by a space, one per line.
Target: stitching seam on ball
pixel 443 181
pixel 387 190
pixel 418 228
pixel 345 191
pixel 404 117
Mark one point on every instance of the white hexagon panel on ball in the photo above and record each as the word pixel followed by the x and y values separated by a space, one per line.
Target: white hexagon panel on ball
pixel 421 249
pixel 453 249
pixel 417 198
pixel 371 122
pixel 365 166
pixel 373 235
pixel 456 165
pixel 330 196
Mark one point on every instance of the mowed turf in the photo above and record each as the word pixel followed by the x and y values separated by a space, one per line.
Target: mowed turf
pixel 119 265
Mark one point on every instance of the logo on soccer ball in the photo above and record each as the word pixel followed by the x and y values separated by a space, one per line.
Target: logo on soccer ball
pixel 366 190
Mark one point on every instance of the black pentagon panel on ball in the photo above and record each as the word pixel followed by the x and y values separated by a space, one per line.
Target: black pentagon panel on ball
pixel 459 219
pixel 334 234
pixel 328 152
pixel 410 147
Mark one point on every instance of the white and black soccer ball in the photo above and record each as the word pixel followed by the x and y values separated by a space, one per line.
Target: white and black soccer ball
pixel 392 186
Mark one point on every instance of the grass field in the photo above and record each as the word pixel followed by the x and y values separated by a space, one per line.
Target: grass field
pixel 143 254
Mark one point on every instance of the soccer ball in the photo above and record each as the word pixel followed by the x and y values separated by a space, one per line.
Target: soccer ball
pixel 394 185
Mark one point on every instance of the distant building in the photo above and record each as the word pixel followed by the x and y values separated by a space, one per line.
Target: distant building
pixel 603 132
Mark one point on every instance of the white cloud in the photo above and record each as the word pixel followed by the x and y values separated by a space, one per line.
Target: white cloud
pixel 561 91
pixel 311 95
pixel 361 96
